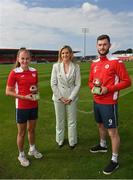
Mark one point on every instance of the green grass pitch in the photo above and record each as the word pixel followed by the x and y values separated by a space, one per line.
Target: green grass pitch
pixel 64 163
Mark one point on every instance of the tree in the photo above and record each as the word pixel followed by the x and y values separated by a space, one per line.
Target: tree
pixel 129 51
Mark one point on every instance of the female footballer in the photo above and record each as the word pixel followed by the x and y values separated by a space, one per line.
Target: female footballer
pixel 22 85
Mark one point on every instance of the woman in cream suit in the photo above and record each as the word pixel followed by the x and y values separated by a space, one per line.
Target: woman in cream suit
pixel 65 84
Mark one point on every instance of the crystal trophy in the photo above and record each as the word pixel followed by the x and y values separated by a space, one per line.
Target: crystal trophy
pixel 34 91
pixel 97 86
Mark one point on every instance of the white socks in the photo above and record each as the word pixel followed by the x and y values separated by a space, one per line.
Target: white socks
pixel 114 157
pixel 103 143
pixel 32 147
pixel 21 154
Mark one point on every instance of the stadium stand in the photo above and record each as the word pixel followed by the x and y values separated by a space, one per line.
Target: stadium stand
pixel 8 56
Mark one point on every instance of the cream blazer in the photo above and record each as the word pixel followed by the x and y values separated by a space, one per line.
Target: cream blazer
pixel 63 86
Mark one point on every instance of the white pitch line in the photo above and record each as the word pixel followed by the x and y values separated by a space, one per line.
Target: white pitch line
pixel 125 93
pixel 49 102
pixel 81 111
pixel 90 112
pixel 82 101
pixel 85 112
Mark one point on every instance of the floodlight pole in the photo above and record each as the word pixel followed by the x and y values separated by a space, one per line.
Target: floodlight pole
pixel 85 31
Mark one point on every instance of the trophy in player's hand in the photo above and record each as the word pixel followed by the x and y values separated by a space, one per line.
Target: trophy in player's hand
pixel 34 91
pixel 97 86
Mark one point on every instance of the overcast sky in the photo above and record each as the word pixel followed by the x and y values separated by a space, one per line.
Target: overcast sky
pixel 50 24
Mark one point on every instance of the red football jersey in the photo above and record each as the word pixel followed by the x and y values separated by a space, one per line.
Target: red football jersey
pixel 22 81
pixel 112 74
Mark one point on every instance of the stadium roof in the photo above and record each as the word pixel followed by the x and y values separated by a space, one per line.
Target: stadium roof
pixel 33 51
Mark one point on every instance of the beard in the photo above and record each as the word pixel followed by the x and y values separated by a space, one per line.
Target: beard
pixel 104 53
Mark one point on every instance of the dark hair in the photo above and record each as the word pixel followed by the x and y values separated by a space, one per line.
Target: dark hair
pixel 103 36
pixel 70 51
pixel 17 64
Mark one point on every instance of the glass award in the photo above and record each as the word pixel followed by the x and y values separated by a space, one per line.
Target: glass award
pixel 34 92
pixel 97 86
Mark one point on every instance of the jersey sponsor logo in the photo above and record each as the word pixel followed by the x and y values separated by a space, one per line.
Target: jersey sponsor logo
pixel 106 66
pixel 110 122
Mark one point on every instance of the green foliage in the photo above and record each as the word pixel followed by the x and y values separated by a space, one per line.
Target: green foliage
pixel 63 163
pixel 128 51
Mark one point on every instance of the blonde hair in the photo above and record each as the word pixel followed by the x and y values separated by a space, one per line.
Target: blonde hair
pixel 70 51
pixel 22 49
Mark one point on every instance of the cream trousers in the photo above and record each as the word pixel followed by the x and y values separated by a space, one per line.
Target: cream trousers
pixel 68 112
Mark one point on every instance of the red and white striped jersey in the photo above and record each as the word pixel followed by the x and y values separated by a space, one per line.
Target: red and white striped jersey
pixel 22 81
pixel 112 74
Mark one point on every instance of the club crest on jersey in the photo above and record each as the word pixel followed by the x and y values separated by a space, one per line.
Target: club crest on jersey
pixel 34 75
pixel 106 66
